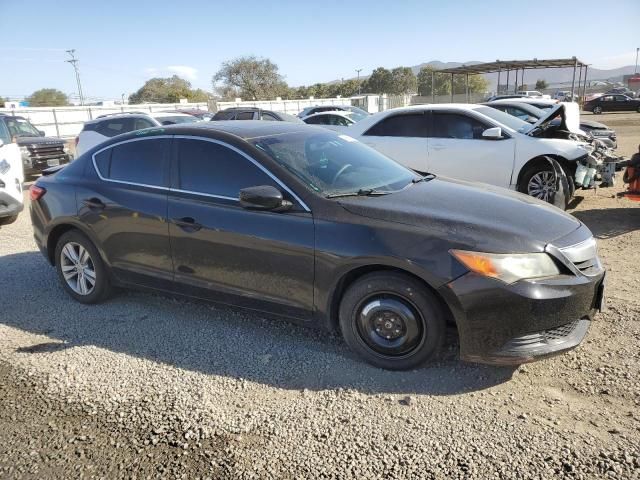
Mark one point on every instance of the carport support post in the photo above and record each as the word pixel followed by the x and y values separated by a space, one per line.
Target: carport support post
pixel 507 89
pixel 433 86
pixel 573 81
pixel 452 88
pixel 467 87
pixel 579 81
pixel 498 87
pixel 584 88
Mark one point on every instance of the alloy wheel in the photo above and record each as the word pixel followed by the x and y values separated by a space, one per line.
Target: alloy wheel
pixel 597 110
pixel 77 268
pixel 390 325
pixel 542 185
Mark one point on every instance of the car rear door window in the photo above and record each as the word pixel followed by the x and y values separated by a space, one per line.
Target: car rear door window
pixel 141 162
pixel 403 125
pixel 214 169
pixel 244 116
pixel 317 120
pixel 113 127
pixel 268 117
pixel 454 125
pixel 140 123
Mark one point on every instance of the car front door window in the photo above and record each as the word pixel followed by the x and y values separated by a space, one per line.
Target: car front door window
pixel 402 137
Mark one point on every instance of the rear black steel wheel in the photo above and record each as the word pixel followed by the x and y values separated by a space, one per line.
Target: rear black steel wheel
pixel 392 320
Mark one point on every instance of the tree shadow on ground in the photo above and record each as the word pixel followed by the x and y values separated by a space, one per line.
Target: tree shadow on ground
pixel 213 340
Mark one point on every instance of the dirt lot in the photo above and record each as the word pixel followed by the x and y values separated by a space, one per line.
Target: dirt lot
pixel 150 387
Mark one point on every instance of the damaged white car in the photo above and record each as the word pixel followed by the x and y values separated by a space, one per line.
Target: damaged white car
pixel 481 144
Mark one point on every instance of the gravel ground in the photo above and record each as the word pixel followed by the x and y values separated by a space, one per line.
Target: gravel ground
pixel 146 386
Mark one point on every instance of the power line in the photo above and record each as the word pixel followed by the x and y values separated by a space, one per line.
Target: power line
pixel 74 63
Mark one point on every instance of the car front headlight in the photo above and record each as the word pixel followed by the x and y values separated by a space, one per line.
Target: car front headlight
pixel 508 267
pixel 24 151
pixel 66 149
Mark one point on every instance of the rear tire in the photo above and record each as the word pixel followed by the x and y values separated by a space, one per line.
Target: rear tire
pixel 392 320
pixel 8 220
pixel 597 110
pixel 80 268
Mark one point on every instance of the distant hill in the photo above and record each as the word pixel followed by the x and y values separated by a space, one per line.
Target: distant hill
pixel 553 76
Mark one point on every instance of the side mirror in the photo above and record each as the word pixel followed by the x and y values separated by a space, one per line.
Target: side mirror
pixel 41 132
pixel 494 133
pixel 263 197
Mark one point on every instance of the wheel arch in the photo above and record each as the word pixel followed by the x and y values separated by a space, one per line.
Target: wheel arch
pixel 60 229
pixel 568 167
pixel 353 275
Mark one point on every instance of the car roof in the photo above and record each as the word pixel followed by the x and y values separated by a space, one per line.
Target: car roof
pixel 169 114
pixel 109 116
pixel 245 129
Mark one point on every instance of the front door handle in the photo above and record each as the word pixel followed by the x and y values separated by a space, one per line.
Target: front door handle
pixel 438 147
pixel 187 224
pixel 94 204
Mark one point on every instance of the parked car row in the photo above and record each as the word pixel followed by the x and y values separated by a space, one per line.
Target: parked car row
pixel 319 228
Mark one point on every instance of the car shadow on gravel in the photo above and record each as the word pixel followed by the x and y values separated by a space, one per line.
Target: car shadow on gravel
pixel 212 340
pixel 610 222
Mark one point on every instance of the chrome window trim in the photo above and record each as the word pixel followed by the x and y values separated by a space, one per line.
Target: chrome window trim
pixel 124 182
pixel 192 137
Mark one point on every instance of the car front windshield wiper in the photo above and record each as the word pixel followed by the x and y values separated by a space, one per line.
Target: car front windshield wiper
pixel 363 192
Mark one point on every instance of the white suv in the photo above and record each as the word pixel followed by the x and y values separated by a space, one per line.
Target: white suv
pixel 97 131
pixel 476 143
pixel 11 178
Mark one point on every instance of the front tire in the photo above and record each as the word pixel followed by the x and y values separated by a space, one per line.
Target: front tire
pixel 392 321
pixel 597 110
pixel 538 181
pixel 80 268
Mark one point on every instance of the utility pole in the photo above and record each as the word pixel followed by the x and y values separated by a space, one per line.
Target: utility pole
pixel 122 99
pixel 358 70
pixel 74 63
pixel 635 70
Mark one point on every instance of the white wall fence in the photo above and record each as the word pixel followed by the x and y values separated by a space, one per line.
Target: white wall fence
pixel 67 121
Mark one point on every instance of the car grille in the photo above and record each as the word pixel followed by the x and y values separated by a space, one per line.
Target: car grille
pixel 45 151
pixel 544 337
pixel 584 256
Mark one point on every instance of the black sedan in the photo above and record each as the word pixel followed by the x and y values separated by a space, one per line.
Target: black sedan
pixel 612 103
pixel 318 228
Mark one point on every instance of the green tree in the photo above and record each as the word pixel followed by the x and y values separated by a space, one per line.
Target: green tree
pixel 380 81
pixel 167 90
pixel 47 97
pixel 427 75
pixel 252 77
pixel 403 81
pixel 541 84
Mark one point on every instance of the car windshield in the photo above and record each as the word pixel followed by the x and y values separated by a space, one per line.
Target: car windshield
pixel 174 119
pixel 19 127
pixel 504 118
pixel 331 164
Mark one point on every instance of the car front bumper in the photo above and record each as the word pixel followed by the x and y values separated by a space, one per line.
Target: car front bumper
pixel 518 323
pixel 34 166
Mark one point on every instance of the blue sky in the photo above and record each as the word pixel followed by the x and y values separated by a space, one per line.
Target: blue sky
pixel 121 44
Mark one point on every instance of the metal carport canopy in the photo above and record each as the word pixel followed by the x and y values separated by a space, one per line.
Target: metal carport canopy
pixel 500 66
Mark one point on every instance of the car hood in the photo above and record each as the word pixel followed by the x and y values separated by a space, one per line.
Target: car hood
pixel 39 141
pixel 567 112
pixel 470 216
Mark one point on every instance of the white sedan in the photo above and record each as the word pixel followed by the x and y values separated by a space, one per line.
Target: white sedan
pixel 330 119
pixel 477 143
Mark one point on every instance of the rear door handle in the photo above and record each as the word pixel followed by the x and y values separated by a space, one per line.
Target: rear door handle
pixel 438 147
pixel 94 203
pixel 187 224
